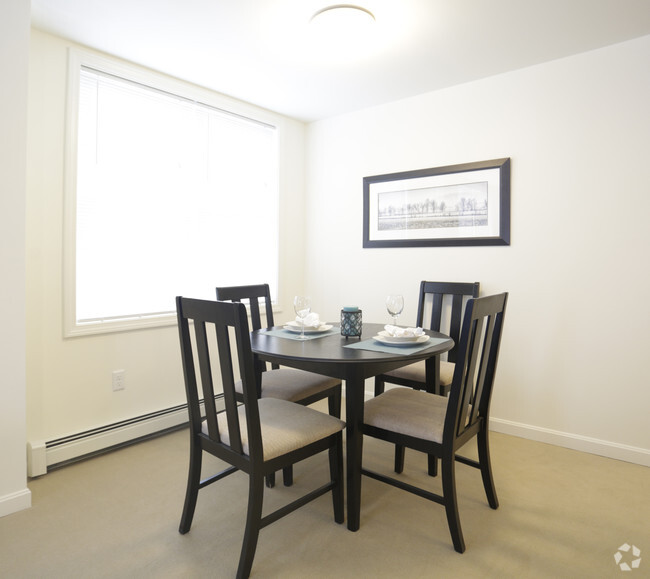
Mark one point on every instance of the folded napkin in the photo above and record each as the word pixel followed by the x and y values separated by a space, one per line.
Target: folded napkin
pixel 397 332
pixel 311 320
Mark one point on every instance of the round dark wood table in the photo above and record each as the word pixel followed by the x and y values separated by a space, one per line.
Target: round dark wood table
pixel 328 355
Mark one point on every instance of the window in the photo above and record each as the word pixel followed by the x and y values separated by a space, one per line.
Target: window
pixel 168 195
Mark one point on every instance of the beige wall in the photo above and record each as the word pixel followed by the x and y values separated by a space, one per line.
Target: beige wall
pixel 69 380
pixel 572 369
pixel 576 130
pixel 14 45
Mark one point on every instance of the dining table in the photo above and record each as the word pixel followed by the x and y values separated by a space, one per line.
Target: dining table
pixel 352 360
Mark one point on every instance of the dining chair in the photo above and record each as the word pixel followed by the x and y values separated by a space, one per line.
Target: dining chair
pixel 254 436
pixel 440 308
pixel 441 425
pixel 283 383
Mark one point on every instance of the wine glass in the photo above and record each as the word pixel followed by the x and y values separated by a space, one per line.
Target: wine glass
pixel 395 305
pixel 302 307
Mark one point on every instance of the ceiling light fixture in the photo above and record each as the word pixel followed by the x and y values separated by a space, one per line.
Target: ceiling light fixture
pixel 342 32
pixel 344 14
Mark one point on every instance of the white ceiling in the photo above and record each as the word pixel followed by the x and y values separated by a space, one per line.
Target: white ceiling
pixel 263 51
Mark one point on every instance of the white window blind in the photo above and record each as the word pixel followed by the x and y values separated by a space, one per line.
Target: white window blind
pixel 173 197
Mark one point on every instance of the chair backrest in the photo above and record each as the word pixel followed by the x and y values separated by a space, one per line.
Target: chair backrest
pixel 476 362
pixel 252 293
pixel 211 346
pixel 436 295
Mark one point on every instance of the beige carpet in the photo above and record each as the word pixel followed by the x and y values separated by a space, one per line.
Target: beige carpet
pixel 562 514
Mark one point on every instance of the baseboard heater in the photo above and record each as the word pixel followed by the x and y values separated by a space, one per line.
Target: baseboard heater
pixel 48 455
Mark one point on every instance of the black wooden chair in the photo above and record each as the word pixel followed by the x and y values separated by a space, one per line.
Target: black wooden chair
pixel 434 295
pixel 446 302
pixel 440 425
pixel 256 437
pixel 283 383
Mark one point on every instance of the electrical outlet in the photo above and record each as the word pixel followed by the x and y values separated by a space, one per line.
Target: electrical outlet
pixel 119 380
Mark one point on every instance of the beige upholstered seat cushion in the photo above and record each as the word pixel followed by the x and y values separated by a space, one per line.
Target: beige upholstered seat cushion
pixel 411 412
pixel 417 372
pixel 290 384
pixel 286 426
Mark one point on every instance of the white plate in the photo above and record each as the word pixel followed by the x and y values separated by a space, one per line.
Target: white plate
pixel 392 341
pixel 399 339
pixel 296 327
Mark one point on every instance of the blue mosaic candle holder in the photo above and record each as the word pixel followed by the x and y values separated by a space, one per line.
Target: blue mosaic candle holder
pixel 351 322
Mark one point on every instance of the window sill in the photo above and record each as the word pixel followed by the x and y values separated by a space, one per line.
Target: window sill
pixel 120 325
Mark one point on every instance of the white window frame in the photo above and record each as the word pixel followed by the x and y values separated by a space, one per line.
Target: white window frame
pixel 77 59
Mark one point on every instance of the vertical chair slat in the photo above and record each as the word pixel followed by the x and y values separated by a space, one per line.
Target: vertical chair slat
pixel 484 372
pixel 436 311
pixel 421 304
pixel 467 386
pixel 495 339
pixel 189 370
pixel 228 382
pixel 455 322
pixel 207 385
pixel 256 322
pixel 254 305
pixel 248 377
pixel 268 306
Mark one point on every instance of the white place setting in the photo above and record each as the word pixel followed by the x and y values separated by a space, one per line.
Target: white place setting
pixel 396 336
pixel 312 324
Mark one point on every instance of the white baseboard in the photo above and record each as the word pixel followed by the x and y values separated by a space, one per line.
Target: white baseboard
pixel 15 502
pixel 44 454
pixel 41 455
pixel 623 452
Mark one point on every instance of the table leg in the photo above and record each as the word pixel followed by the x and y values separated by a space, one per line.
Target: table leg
pixel 432 375
pixel 354 398
pixel 432 366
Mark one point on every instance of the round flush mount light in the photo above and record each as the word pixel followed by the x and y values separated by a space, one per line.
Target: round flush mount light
pixel 342 32
pixel 344 15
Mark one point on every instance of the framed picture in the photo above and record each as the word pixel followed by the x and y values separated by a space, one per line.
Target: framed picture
pixel 466 204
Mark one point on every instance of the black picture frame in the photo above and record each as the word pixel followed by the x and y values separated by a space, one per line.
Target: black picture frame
pixel 456 205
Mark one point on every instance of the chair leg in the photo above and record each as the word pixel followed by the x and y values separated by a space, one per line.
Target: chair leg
pixel 483 444
pixel 253 518
pixel 192 492
pixel 334 404
pixel 399 458
pixel 432 462
pixel 451 502
pixel 379 385
pixel 287 476
pixel 270 480
pixel 336 475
